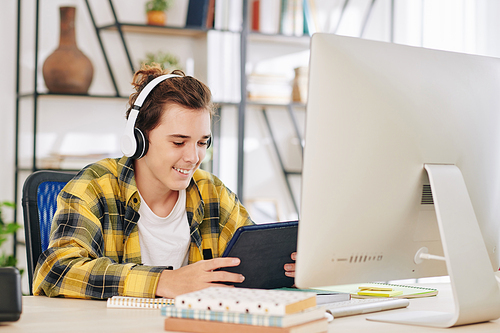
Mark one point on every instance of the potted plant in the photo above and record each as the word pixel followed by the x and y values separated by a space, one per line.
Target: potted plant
pixel 6 229
pixel 164 59
pixel 155 11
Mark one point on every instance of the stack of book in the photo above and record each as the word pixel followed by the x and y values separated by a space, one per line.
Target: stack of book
pixel 269 88
pixel 245 311
pixel 287 17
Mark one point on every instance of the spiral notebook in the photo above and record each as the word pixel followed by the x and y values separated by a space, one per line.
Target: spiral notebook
pixel 407 290
pixel 138 302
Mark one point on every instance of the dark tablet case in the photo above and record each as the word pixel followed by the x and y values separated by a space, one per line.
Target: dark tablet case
pixel 263 250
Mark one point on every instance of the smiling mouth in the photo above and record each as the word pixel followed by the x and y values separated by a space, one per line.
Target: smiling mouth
pixel 184 172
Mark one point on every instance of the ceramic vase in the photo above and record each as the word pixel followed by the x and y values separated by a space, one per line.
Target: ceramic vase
pixel 67 70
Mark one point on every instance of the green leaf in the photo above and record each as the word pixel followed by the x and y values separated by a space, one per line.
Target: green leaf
pixel 7 229
pixel 8 204
pixel 11 261
pixel 11 228
pixel 164 59
pixel 158 5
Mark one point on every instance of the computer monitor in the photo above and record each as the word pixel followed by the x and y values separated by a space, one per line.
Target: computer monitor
pixel 393 134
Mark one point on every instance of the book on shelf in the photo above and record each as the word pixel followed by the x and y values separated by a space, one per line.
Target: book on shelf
pixel 221 14
pixel 287 17
pixel 358 290
pixel 138 302
pixel 235 12
pixel 210 14
pixel 245 318
pixel 269 16
pixel 310 20
pixel 246 300
pixel 255 15
pixel 203 326
pixel 228 15
pixel 224 72
pixel 298 17
pixel 269 88
pixel 197 13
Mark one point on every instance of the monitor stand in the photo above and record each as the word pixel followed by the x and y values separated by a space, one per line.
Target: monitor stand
pixel 476 292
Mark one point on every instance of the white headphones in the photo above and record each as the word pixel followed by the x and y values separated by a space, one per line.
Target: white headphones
pixel 133 143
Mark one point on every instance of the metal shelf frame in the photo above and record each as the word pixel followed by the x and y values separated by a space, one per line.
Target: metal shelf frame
pixel 286 173
pixel 122 28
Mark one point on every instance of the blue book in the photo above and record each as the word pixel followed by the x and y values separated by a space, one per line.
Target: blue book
pixel 197 14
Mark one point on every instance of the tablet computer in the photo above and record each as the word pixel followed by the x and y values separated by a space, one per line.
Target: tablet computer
pixel 263 250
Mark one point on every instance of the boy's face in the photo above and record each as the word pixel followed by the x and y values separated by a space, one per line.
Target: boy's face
pixel 177 146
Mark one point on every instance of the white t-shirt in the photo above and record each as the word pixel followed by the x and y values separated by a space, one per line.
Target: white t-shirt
pixel 164 240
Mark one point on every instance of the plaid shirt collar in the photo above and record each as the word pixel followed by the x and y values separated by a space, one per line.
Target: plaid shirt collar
pixel 194 202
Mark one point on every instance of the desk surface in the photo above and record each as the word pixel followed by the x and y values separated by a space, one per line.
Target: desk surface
pixel 43 314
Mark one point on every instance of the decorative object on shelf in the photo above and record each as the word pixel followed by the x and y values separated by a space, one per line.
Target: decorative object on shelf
pixel 155 11
pixel 67 70
pixel 299 87
pixel 164 59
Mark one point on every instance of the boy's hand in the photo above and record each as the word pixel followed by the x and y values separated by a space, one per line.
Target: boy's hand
pixel 197 276
pixel 290 268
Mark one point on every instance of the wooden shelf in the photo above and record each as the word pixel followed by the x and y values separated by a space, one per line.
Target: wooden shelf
pixel 49 95
pixel 266 104
pixel 279 38
pixel 158 30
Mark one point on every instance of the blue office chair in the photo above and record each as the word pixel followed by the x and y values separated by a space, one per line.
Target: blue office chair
pixel 39 205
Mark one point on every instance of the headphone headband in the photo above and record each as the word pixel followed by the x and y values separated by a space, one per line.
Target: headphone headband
pixel 150 86
pixel 133 142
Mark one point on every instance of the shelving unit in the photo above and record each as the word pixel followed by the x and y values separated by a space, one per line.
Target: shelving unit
pixel 123 28
pixel 36 95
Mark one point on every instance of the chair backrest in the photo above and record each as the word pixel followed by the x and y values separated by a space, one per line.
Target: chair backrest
pixel 39 205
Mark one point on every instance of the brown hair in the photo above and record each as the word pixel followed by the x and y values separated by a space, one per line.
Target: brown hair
pixel 185 91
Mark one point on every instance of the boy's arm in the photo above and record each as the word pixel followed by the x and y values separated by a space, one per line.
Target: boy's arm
pixel 75 264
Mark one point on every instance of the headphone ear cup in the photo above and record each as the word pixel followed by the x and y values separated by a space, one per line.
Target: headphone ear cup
pixel 142 144
pixel 209 142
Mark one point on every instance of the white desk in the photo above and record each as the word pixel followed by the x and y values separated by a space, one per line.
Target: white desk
pixel 43 314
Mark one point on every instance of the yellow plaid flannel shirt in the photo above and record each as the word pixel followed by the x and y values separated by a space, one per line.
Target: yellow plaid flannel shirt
pixel 94 249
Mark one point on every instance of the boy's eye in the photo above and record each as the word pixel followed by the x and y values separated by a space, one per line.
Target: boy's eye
pixel 178 143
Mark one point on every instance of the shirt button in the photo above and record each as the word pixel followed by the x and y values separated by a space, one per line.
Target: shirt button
pixel 135 200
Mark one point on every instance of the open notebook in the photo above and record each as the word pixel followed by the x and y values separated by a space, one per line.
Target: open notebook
pixel 407 291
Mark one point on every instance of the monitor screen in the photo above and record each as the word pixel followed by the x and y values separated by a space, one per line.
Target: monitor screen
pixel 377 113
